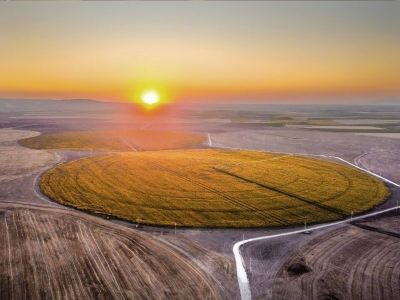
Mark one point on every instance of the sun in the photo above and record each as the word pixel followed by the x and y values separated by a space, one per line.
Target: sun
pixel 150 97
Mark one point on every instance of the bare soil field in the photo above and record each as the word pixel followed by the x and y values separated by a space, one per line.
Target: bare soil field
pixel 366 121
pixel 390 224
pixel 53 254
pixel 264 259
pixel 381 161
pixel 17 162
pixel 287 140
pixel 333 127
pixel 19 166
pixel 7 134
pixel 348 263
pixel 382 135
pixel 302 141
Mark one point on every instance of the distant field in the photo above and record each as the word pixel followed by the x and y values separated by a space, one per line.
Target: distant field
pixel 384 135
pixel 209 188
pixel 132 140
pixel 342 127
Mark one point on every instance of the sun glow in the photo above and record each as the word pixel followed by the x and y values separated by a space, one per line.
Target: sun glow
pixel 150 97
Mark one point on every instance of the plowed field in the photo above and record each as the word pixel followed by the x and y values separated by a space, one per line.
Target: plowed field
pixel 349 263
pixel 50 254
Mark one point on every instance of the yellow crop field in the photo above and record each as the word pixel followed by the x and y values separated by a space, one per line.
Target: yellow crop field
pixel 114 140
pixel 213 188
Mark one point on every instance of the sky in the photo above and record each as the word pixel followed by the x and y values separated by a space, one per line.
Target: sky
pixel 201 51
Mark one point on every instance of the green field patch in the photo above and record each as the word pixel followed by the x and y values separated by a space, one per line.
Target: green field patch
pixel 114 140
pixel 213 188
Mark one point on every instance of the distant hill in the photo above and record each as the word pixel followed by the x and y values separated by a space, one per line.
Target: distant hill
pixel 35 105
pixel 386 102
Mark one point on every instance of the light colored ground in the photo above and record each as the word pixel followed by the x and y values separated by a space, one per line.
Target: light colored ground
pixel 381 162
pixel 33 117
pixel 16 161
pixel 153 121
pixel 365 121
pixel 336 127
pixel 8 134
pixel 216 120
pixel 291 140
pixel 384 135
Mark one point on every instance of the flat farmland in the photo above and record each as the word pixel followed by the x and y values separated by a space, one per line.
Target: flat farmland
pixel 54 254
pixel 114 140
pixel 213 188
pixel 348 263
pixel 19 166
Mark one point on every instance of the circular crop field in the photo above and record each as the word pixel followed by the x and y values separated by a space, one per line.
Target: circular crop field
pixel 114 140
pixel 213 188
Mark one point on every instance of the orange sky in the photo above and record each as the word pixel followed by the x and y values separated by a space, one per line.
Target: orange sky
pixel 200 51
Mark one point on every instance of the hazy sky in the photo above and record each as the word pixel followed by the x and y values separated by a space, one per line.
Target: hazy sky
pixel 200 50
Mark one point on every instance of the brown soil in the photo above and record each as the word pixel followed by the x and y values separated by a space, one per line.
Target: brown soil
pixel 389 224
pixel 348 263
pixel 53 254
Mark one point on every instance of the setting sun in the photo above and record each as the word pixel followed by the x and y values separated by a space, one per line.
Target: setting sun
pixel 150 97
